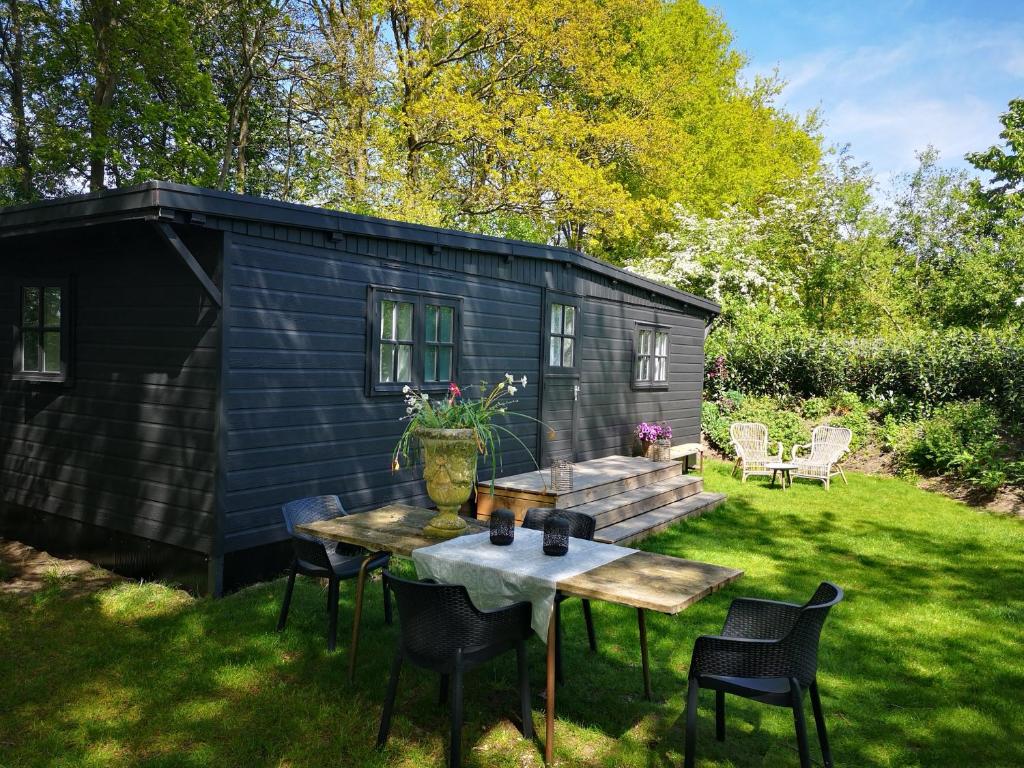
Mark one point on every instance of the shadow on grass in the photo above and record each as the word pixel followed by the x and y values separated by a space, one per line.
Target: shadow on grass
pixel 920 666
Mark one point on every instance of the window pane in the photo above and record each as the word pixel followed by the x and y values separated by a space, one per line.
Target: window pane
pixel 30 306
pixel 645 369
pixel 556 318
pixel 444 364
pixel 405 321
pixel 430 363
pixel 431 321
pixel 446 324
pixel 661 344
pixel 645 342
pixel 51 351
pixel 30 350
pixel 570 321
pixel 387 363
pixel 567 352
pixel 387 321
pixel 659 369
pixel 555 353
pixel 51 306
pixel 404 363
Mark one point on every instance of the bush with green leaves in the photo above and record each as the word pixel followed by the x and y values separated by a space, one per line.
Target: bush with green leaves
pixel 907 376
pixel 959 439
pixel 783 425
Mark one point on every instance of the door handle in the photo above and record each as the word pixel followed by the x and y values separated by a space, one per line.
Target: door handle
pixel 576 392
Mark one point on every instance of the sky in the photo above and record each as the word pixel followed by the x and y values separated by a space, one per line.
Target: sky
pixel 890 78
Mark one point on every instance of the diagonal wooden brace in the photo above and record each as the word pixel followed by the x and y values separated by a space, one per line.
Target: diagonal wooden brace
pixel 179 247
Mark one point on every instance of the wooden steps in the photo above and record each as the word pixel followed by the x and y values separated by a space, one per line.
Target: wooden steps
pixel 634 529
pixel 629 497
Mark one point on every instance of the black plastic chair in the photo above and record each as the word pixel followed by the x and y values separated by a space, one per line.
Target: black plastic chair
pixel 442 631
pixel 324 559
pixel 581 526
pixel 768 652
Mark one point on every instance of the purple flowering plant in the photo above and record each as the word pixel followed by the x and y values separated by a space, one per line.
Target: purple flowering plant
pixel 648 432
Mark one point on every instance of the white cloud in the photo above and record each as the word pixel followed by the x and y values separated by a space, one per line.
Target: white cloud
pixel 943 84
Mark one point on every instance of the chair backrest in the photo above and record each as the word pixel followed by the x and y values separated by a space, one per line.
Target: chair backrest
pixel 803 637
pixel 308 548
pixel 750 437
pixel 581 525
pixel 436 619
pixel 828 444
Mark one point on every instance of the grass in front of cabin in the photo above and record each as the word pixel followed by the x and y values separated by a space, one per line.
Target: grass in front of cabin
pixel 920 666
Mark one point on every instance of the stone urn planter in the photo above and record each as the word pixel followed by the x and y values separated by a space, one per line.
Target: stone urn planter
pixel 449 469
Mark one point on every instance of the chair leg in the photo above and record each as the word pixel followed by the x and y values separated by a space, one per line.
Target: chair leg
pixel 389 700
pixel 588 617
pixel 332 614
pixel 735 466
pixel 442 696
pixel 797 697
pixel 819 724
pixel 720 715
pixel 455 745
pixel 387 601
pixel 690 749
pixel 287 602
pixel 842 475
pixel 524 689
pixel 558 644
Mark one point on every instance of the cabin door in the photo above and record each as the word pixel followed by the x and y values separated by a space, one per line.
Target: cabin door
pixel 560 398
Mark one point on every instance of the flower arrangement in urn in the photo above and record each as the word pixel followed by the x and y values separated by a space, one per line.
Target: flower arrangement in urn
pixel 648 433
pixel 454 431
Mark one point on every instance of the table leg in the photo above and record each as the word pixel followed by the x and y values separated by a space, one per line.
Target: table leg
pixel 360 585
pixel 549 738
pixel 772 483
pixel 641 619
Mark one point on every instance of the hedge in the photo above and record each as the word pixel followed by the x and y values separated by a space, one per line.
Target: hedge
pixel 915 372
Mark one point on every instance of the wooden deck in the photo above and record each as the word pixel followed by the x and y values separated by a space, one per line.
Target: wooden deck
pixel 629 497
pixel 592 480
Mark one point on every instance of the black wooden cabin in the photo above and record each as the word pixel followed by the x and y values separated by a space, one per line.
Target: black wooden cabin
pixel 177 362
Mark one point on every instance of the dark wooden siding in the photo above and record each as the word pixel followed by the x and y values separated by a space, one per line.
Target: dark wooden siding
pixel 128 444
pixel 609 408
pixel 299 421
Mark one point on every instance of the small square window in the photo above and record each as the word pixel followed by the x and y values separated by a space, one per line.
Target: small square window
pixel 413 340
pixel 41 344
pixel 650 364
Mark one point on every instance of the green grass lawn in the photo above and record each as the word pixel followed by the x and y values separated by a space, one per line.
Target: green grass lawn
pixel 922 665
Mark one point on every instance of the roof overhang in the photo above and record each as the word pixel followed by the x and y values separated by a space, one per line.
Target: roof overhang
pixel 167 201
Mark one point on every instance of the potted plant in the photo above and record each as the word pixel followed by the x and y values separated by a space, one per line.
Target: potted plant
pixel 649 434
pixel 454 431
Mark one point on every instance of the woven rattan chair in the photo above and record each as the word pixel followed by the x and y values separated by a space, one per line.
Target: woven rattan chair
pixel 442 631
pixel 750 441
pixel 324 559
pixel 768 652
pixel 581 526
pixel 828 446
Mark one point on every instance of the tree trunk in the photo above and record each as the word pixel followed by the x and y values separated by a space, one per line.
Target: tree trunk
pixel 102 22
pixel 22 142
pixel 243 146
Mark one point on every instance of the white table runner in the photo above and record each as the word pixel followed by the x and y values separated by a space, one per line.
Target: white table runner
pixel 499 576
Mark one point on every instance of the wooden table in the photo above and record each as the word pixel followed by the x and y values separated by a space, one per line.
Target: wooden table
pixel 641 580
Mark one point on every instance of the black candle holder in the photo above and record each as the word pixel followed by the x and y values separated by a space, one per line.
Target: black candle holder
pixel 556 535
pixel 503 527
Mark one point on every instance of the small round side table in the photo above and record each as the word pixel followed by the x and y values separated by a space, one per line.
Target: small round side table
pixel 783 469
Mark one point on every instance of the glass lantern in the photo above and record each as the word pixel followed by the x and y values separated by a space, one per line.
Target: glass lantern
pixel 561 475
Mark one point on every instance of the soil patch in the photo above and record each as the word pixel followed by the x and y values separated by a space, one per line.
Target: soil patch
pixel 1008 501
pixel 24 571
